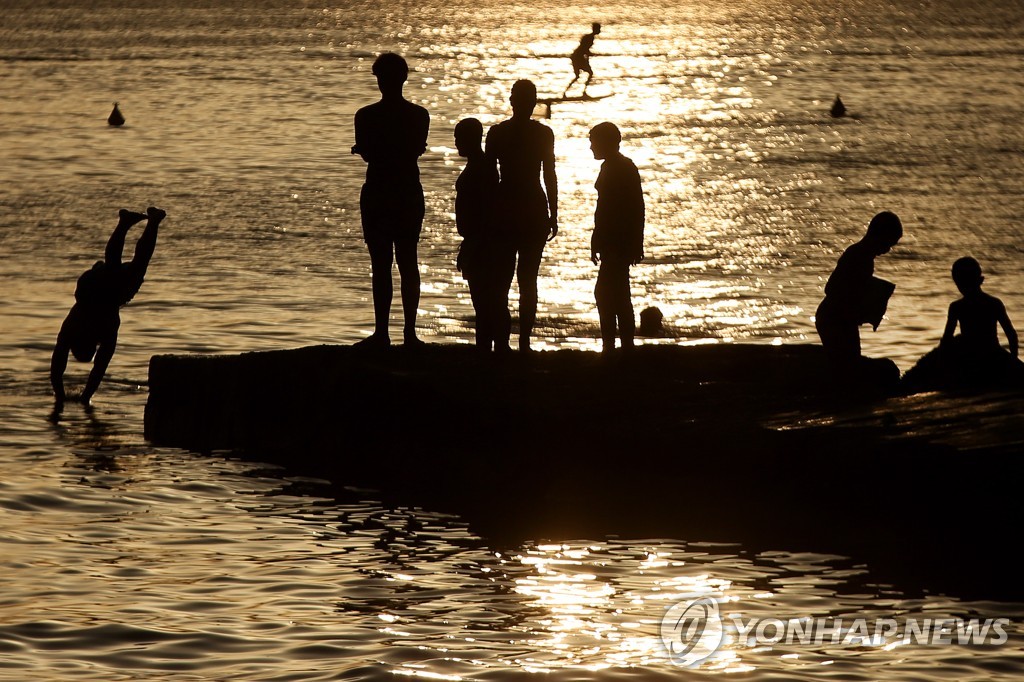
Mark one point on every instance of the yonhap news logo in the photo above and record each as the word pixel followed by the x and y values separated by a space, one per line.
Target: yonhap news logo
pixel 693 630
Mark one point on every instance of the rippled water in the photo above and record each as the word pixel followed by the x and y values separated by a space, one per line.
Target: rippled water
pixel 124 562
pixel 239 122
pixel 121 561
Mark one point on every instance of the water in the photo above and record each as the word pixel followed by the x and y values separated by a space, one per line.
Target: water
pixel 122 561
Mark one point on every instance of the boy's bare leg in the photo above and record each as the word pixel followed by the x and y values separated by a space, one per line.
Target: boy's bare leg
pixel 115 245
pixel 381 260
pixel 409 273
pixel 607 318
pixel 571 83
pixel 147 242
pixel 627 327
pixel 527 269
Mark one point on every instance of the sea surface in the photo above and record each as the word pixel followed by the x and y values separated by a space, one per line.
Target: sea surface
pixel 122 561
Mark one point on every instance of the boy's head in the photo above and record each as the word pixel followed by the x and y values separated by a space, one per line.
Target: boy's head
pixel 523 98
pixel 604 140
pixel 967 275
pixel 651 320
pixel 884 231
pixel 391 71
pixel 469 133
pixel 595 28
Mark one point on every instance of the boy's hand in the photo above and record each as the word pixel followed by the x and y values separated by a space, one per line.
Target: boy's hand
pixel 553 228
pixel 594 258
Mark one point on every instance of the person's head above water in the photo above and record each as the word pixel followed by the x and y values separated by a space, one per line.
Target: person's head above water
pixel 595 28
pixel 523 98
pixel 967 275
pixel 884 231
pixel 651 321
pixel 604 140
pixel 391 71
pixel 469 133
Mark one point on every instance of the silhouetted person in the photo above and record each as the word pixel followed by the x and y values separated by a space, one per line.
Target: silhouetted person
pixel 838 109
pixel 581 58
pixel 524 150
pixel 651 322
pixel 853 296
pixel 391 135
pixel 90 329
pixel 618 238
pixel 977 313
pixel 487 257
pixel 974 358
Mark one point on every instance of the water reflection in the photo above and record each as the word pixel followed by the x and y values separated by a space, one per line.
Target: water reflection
pixel 604 603
pixel 87 428
pixel 120 561
pixel 122 557
pixel 710 241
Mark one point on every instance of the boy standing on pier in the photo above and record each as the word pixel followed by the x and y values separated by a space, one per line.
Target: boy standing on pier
pixel 487 257
pixel 524 152
pixel 618 238
pixel 391 135
pixel 854 296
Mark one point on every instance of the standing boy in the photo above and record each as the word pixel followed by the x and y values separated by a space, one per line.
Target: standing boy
pixel 487 257
pixel 853 296
pixel 618 239
pixel 391 135
pixel 524 151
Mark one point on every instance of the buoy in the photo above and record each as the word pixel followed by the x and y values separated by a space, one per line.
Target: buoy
pixel 115 118
pixel 838 109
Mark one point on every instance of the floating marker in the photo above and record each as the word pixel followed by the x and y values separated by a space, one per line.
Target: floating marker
pixel 115 118
pixel 838 109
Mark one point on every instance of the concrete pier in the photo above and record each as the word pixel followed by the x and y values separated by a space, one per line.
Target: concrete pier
pixel 746 443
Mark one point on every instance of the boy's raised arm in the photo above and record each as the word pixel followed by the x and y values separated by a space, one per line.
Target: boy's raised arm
pixel 58 363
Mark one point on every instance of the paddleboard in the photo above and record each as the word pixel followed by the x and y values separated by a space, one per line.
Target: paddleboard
pixel 574 98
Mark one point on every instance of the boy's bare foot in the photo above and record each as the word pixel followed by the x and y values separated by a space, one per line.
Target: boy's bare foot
pixel 155 214
pixel 413 341
pixel 129 218
pixel 374 341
